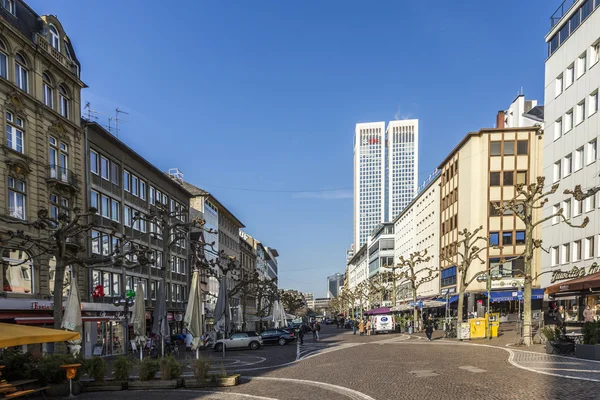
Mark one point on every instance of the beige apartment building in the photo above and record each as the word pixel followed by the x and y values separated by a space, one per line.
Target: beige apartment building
pixel 477 174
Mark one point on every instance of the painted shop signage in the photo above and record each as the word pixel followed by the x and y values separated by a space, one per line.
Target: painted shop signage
pixel 575 272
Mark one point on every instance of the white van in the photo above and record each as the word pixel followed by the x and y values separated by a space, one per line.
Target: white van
pixel 384 323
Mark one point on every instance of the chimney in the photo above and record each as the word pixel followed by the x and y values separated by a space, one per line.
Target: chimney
pixel 500 120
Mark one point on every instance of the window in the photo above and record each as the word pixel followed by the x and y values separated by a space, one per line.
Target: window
pixel 14 132
pixel 581 65
pixel 63 102
pixel 116 291
pixel 522 147
pixel 578 159
pixel 494 238
pixel 593 102
pixel 578 208
pixel 521 177
pixel 17 269
pixel 152 194
pixel 134 185
pixel 494 178
pixel 59 159
pixel 555 218
pixel 142 190
pixel 554 255
pixel 114 173
pixel 576 250
pixel 570 78
pixel 589 247
pixel 95 200
pixel 3 61
pixel 508 178
pixel 48 90
pixel 182 265
pixel 16 198
pixel 520 237
pixel 496 148
pixel 591 151
pixel 568 165
pixel 105 206
pixel 104 168
pixel 54 38
pixel 568 121
pixel 559 85
pixel 590 203
pixel 96 242
pixel 115 210
pixel 558 128
pixel 595 53
pixel 94 162
pixel 556 171
pixel 126 181
pixel 509 148
pixel 10 6
pixel 448 276
pixel 567 208
pixel 127 216
pixel 21 73
pixel 507 238
pixel 580 112
pixel 58 205
pixel 152 290
pixel 566 253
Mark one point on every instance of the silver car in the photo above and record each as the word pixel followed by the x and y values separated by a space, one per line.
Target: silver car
pixel 240 340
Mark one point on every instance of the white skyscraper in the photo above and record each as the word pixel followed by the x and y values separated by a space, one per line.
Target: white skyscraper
pixel 385 173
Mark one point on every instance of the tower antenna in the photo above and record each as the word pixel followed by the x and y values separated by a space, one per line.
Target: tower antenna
pixel 117 120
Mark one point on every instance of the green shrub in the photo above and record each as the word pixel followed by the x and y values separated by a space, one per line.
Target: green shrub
pixel 49 371
pixel 95 367
pixel 591 332
pixel 122 368
pixel 549 333
pixel 222 371
pixel 201 367
pixel 170 368
pixel 18 365
pixel 148 369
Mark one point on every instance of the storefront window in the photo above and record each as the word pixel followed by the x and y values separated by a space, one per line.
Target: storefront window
pixel 17 271
pixel 110 338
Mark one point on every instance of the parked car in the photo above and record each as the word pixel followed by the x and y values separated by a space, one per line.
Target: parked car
pixel 384 323
pixel 328 321
pixel 279 336
pixel 240 340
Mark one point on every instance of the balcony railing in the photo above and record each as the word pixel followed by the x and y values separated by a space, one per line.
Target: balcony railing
pixel 62 175
pixel 560 11
pixel 57 55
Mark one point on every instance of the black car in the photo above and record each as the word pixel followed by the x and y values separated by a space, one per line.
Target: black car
pixel 279 336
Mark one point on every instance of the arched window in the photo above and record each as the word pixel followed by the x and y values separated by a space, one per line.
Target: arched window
pixel 21 73
pixel 3 60
pixel 64 101
pixel 54 37
pixel 17 271
pixel 66 280
pixel 48 90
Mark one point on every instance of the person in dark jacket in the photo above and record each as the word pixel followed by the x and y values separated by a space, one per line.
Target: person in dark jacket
pixel 429 327
pixel 561 320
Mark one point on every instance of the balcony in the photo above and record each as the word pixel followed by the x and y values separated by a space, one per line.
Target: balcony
pixel 62 176
pixel 57 55
pixel 560 11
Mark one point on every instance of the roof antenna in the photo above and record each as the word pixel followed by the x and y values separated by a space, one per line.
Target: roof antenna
pixel 117 120
pixel 90 113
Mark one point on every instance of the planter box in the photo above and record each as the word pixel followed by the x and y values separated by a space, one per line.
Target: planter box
pixel 228 381
pixel 155 384
pixel 104 386
pixel 587 351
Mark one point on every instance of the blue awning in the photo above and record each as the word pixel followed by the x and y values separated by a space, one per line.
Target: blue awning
pixel 450 300
pixel 510 295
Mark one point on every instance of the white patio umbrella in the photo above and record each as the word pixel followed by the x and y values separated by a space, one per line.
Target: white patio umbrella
pixel 160 325
pixel 193 313
pixel 138 318
pixel 72 317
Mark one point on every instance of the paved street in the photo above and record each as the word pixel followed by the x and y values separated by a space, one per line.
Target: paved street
pixel 344 366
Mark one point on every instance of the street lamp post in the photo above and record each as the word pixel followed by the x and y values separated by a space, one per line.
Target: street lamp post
pixel 125 302
pixel 488 277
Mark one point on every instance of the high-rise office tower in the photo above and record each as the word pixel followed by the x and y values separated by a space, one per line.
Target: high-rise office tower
pixel 385 173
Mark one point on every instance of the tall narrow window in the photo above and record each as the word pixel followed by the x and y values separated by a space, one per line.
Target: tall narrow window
pixel 104 168
pixel 115 210
pixel 577 251
pixel 126 181
pixel 151 194
pixel 581 65
pixel 95 200
pixel 567 211
pixel 134 185
pixel 589 247
pixel 568 124
pixel 94 162
pixel 593 103
pixel 16 198
pixel 555 218
pixel 64 102
pixel 554 254
pixel 21 73
pixel 48 87
pixel 579 158
pixel 54 38
pixel 105 206
pixel 591 151
pixel 570 75
pixel 142 190
pixel 114 173
pixel 3 60
pixel 580 114
pixel 595 52
pixel 568 165
pixel 127 216
pixel 558 128
pixel 556 171
pixel 14 132
pixel 559 85
pixel 566 253
pixel 59 159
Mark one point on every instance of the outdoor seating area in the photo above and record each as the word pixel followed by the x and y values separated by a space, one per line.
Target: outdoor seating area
pixel 25 387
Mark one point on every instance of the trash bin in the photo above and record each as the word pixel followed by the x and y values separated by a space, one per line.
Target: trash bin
pixel 477 328
pixel 493 321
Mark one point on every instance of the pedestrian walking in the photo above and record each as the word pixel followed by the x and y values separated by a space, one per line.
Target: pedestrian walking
pixel 301 333
pixel 318 329
pixel 368 327
pixel 361 327
pixel 314 330
pixel 337 323
pixel 354 326
pixel 561 319
pixel 429 327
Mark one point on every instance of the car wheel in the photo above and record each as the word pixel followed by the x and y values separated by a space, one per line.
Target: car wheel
pixel 282 341
pixel 219 347
pixel 254 345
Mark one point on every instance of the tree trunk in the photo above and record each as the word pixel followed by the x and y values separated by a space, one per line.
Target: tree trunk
pixel 394 290
pixel 59 277
pixel 527 317
pixel 244 310
pixel 415 310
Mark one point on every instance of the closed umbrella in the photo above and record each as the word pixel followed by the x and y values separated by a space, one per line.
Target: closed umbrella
pixel 72 317
pixel 160 324
pixel 222 307
pixel 138 317
pixel 193 312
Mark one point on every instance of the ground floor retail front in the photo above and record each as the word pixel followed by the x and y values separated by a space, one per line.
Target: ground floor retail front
pixel 576 296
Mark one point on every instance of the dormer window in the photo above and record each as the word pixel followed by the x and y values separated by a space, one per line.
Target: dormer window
pixel 21 72
pixel 9 5
pixel 63 101
pixel 54 37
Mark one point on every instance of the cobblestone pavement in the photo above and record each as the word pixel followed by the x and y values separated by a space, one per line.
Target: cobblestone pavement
pixel 344 366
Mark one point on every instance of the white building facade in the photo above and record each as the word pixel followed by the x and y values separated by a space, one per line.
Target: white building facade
pixel 385 172
pixel 572 127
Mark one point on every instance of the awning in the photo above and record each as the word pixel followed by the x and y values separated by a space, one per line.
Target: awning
pixel 510 295
pixel 17 335
pixel 376 311
pixel 588 282
pixel 452 299
pixel 41 319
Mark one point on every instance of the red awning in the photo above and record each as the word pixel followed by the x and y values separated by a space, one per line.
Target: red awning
pixel 30 319
pixel 14 315
pixel 588 282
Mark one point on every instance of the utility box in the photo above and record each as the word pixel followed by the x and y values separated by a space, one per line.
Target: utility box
pixel 477 328
pixel 464 331
pixel 493 323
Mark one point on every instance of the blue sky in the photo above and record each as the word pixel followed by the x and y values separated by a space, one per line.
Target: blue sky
pixel 264 95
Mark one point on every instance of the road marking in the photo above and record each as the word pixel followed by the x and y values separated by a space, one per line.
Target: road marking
pixel 423 373
pixel 350 393
pixel 215 395
pixel 472 369
pixel 568 369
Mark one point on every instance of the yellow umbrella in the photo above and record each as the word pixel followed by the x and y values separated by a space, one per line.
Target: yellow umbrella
pixel 17 335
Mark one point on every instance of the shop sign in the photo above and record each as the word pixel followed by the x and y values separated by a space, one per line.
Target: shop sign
pixel 575 272
pixel 510 283
pixel 179 317
pixel 170 316
pixel 38 305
